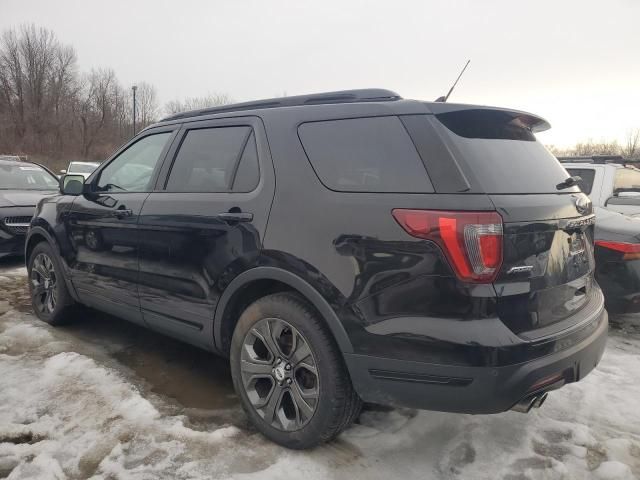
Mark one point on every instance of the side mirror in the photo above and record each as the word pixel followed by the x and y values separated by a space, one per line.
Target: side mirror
pixel 72 185
pixel 63 172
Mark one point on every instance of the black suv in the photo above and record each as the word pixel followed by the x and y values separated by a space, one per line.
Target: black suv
pixel 341 247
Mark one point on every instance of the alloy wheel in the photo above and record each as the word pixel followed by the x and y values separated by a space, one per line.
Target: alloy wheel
pixel 279 374
pixel 43 284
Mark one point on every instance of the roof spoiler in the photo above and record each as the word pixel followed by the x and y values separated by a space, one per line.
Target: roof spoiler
pixel 532 122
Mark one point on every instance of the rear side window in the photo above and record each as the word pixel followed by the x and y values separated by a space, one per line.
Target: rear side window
pixel 364 155
pixel 627 180
pixel 587 175
pixel 221 159
pixel 502 152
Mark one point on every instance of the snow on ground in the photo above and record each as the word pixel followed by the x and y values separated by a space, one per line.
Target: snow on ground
pixel 104 399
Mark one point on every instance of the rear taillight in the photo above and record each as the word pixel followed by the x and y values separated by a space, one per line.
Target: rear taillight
pixel 630 251
pixel 471 241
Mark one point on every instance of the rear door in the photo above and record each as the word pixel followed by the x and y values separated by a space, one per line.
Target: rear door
pixel 102 226
pixel 204 224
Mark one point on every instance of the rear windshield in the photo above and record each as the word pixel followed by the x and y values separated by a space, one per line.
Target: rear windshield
pixel 364 155
pixel 26 177
pixel 502 152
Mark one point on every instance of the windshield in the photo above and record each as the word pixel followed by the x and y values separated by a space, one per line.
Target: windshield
pixel 627 180
pixel 26 177
pixel 81 168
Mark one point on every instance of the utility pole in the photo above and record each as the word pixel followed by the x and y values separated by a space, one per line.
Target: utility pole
pixel 134 88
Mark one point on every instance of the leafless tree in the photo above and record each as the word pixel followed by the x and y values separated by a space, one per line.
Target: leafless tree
pixel 597 148
pixel 51 111
pixel 146 104
pixel 96 107
pixel 12 76
pixel 631 147
pixel 197 103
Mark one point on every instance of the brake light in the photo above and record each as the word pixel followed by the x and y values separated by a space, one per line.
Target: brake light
pixel 630 251
pixel 471 241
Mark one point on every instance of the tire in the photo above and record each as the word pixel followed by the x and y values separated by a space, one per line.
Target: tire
pixel 307 398
pixel 50 297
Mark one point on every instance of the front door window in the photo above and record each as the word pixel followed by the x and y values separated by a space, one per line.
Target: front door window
pixel 131 171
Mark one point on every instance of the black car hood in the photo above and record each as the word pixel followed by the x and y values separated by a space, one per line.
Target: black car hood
pixel 616 227
pixel 23 198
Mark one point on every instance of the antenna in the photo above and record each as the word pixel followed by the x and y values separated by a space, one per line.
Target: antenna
pixel 444 99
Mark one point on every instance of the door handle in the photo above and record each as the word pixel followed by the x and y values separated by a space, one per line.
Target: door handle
pixel 236 216
pixel 121 213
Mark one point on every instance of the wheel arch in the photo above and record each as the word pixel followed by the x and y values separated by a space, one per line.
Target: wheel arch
pixel 258 282
pixel 38 234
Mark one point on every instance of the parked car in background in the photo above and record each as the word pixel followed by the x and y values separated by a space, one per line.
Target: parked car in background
pixel 15 158
pixel 614 188
pixel 80 168
pixel 338 248
pixel 22 186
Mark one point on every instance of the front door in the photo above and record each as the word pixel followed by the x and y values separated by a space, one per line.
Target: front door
pixel 102 225
pixel 205 225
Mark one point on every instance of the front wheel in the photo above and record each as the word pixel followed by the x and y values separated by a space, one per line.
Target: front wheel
pixel 50 298
pixel 289 374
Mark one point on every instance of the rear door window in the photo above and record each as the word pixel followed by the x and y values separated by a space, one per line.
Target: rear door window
pixel 364 155
pixel 502 152
pixel 587 175
pixel 221 159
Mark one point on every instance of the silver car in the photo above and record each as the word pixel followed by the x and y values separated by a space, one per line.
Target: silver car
pixel 80 168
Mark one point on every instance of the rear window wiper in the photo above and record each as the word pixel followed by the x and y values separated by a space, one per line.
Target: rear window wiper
pixel 569 182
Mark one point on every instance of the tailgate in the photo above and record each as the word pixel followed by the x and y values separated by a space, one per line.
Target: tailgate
pixel 547 271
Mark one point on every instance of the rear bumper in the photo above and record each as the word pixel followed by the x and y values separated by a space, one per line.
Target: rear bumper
pixel 483 389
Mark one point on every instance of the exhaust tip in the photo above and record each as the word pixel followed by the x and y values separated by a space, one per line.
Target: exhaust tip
pixel 526 404
pixel 540 400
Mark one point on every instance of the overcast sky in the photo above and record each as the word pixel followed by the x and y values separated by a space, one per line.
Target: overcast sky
pixel 575 62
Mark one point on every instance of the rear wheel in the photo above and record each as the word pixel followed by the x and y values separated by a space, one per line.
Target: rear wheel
pixel 289 373
pixel 50 298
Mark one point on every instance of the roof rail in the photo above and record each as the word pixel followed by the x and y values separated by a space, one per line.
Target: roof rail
pixel 343 96
pixel 598 159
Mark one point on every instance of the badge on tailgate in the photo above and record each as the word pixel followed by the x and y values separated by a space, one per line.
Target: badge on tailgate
pixel 576 244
